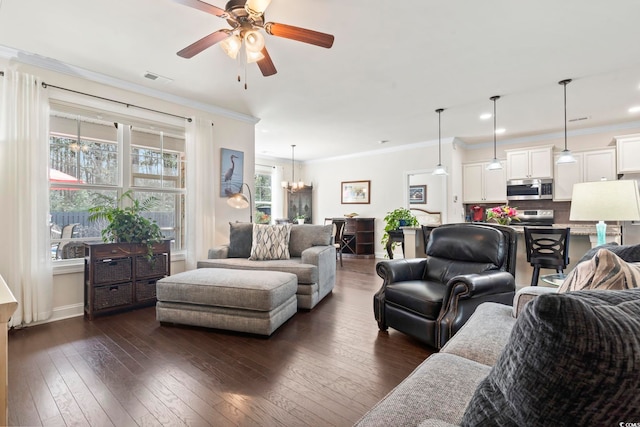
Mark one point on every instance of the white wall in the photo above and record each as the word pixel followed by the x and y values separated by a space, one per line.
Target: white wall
pixel 386 169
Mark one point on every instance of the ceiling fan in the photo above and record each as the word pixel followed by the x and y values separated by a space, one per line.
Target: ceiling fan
pixel 246 18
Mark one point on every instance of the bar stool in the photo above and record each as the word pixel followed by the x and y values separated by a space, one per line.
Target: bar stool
pixel 546 248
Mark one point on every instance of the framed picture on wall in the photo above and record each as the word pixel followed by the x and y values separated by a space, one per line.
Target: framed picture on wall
pixel 356 192
pixel 418 194
pixel 231 171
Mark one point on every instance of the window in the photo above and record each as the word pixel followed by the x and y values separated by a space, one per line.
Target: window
pixel 262 183
pixel 87 163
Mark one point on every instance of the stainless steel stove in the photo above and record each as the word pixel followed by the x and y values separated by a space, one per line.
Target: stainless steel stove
pixel 533 217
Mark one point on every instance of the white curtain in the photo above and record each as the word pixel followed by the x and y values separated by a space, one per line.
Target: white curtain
pixel 201 172
pixel 25 255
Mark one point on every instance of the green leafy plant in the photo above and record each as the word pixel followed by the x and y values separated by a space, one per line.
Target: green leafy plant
pixel 400 217
pixel 300 216
pixel 126 224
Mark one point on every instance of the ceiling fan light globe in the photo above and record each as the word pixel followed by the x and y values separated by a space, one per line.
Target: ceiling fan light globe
pixel 253 56
pixel 231 46
pixel 256 7
pixel 254 41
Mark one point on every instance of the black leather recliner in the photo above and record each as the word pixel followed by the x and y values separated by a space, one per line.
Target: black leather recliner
pixel 431 298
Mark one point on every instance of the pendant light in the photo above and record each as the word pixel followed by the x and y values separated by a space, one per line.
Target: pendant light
pixel 495 163
pixel 439 170
pixel 293 186
pixel 565 156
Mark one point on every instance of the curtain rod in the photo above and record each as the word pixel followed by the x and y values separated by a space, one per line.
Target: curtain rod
pixel 45 85
pixel 266 166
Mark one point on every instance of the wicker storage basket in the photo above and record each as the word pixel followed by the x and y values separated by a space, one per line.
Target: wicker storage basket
pixel 156 267
pixel 146 290
pixel 112 270
pixel 112 296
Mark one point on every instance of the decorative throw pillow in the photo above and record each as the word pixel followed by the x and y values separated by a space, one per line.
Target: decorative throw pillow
pixel 240 239
pixel 571 360
pixel 604 271
pixel 270 242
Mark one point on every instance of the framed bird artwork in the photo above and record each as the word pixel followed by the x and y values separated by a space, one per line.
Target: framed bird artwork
pixel 232 168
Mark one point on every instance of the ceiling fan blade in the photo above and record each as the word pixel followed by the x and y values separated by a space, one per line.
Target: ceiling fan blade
pixel 266 65
pixel 299 34
pixel 205 42
pixel 205 7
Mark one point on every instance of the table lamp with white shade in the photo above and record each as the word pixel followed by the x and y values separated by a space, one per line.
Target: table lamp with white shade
pixel 605 201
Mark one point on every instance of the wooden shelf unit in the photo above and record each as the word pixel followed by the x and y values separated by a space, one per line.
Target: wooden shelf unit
pixel 360 235
pixel 119 277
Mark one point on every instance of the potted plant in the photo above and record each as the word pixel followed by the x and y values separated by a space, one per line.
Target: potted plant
pixel 400 217
pixel 126 224
pixel 300 219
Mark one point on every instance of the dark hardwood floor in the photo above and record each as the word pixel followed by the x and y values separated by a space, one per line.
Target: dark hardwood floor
pixel 324 367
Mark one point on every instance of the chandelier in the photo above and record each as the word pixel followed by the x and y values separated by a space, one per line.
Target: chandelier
pixel 292 186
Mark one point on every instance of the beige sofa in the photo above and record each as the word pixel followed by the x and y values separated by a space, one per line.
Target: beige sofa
pixel 312 259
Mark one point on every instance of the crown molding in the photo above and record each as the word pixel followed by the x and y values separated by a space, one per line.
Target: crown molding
pixel 50 64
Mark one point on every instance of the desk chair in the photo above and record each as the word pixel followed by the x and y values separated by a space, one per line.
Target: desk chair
pixel 546 248
pixel 338 236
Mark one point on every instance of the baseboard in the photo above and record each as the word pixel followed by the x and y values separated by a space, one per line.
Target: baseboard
pixel 66 311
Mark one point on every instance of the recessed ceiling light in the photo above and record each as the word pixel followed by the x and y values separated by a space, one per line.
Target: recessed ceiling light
pixel 635 109
pixel 500 130
pixel 485 116
pixel 383 141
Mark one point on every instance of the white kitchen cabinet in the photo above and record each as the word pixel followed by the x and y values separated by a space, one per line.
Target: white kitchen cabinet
pixel 600 165
pixel 594 165
pixel 483 186
pixel 628 147
pixel 530 163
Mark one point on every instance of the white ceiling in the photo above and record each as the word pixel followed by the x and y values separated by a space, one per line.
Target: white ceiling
pixel 392 64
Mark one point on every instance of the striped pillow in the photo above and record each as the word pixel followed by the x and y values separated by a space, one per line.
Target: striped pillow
pixel 604 271
pixel 270 242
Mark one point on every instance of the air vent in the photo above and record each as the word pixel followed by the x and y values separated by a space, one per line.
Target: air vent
pixel 579 119
pixel 157 77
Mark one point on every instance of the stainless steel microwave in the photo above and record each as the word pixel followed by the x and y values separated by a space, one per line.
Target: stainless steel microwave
pixel 529 189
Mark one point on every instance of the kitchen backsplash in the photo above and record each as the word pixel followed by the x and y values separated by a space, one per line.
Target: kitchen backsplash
pixel 560 209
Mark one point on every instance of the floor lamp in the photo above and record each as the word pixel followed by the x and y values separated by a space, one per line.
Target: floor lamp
pixel 240 201
pixel 605 201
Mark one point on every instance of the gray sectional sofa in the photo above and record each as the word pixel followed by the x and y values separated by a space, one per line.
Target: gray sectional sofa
pixel 312 259
pixel 567 360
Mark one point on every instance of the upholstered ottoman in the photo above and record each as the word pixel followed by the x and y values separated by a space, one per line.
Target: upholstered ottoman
pixel 256 302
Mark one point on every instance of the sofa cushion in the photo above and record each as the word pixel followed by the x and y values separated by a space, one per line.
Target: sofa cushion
pixel 437 389
pixel 270 242
pixel 240 239
pixel 307 273
pixel 604 271
pixel 305 236
pixel 422 297
pixel 572 359
pixel 483 337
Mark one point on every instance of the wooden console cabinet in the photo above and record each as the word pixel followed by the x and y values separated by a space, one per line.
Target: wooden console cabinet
pixel 359 237
pixel 118 276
